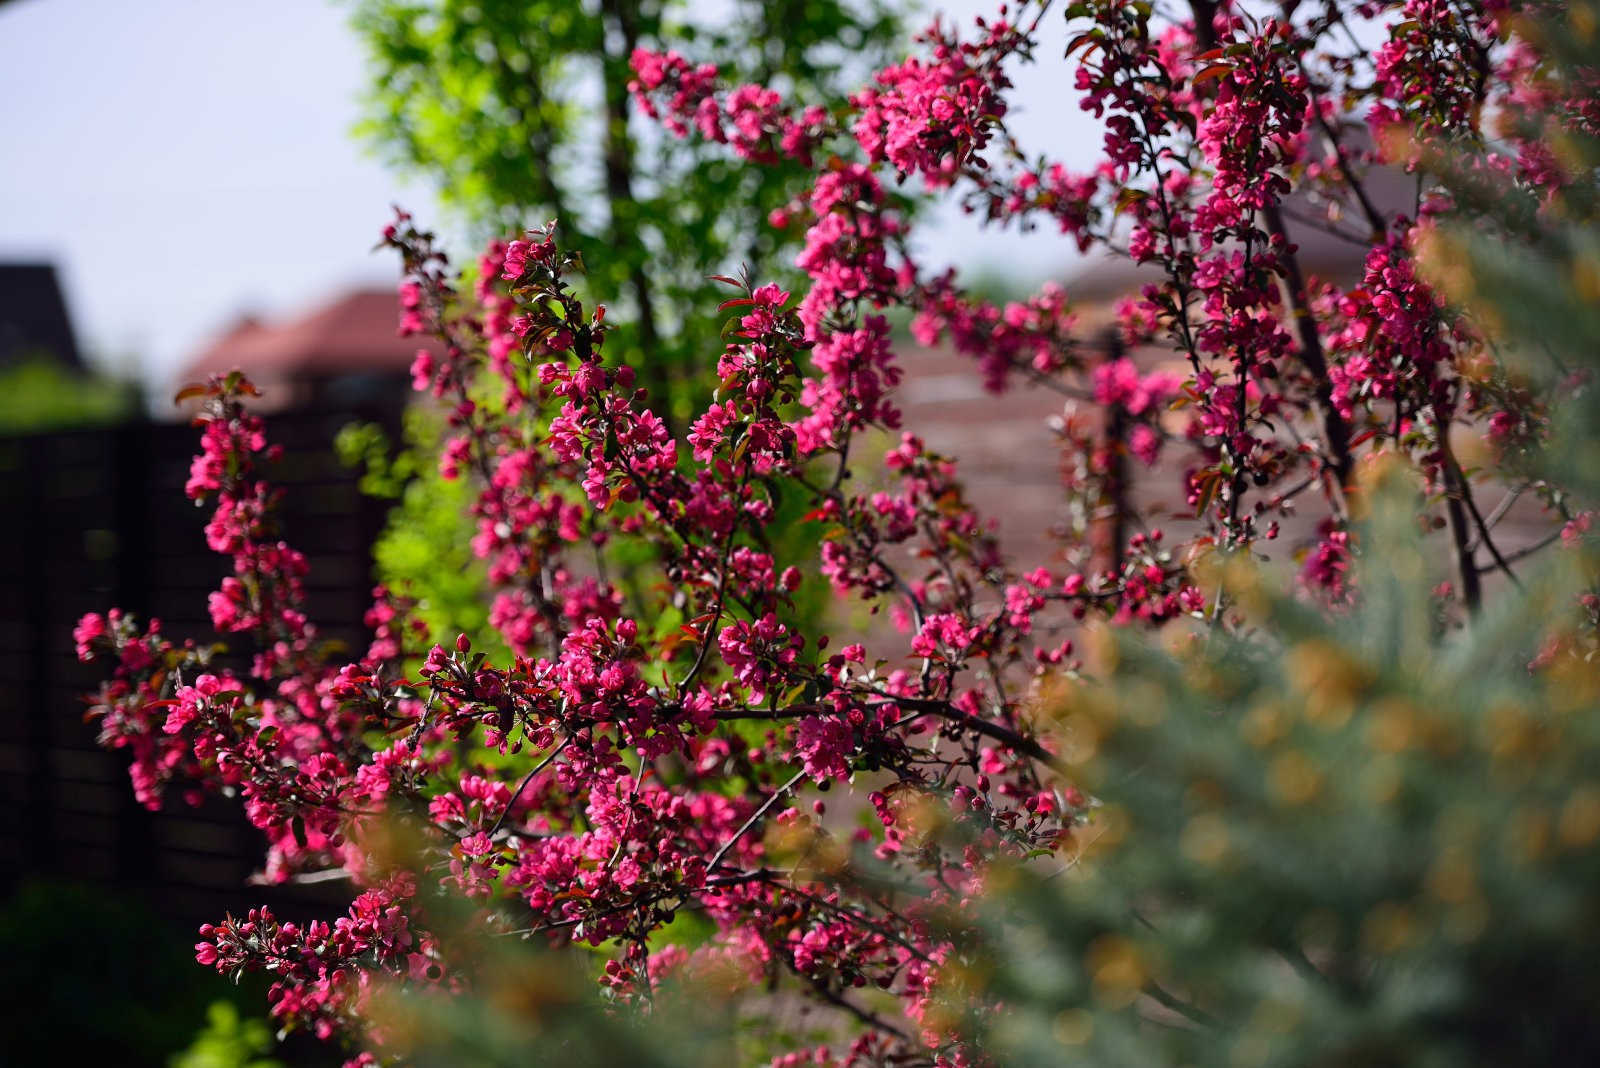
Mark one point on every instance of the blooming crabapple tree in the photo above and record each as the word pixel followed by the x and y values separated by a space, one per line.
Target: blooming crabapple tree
pixel 648 752
pixel 1213 118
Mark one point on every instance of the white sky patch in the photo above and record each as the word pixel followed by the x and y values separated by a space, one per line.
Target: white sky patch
pixel 183 162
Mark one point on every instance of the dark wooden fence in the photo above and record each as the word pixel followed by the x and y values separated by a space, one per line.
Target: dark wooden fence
pixel 96 519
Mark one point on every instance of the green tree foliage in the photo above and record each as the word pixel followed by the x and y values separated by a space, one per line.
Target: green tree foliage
pixel 425 549
pixel 228 1040
pixel 41 394
pixel 518 110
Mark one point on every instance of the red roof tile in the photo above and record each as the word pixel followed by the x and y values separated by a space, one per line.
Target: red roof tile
pixel 356 332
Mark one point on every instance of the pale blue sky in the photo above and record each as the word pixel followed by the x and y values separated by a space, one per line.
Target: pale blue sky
pixel 183 161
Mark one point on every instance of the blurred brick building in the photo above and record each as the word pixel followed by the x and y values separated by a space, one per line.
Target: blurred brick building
pixel 1010 459
pixel 340 352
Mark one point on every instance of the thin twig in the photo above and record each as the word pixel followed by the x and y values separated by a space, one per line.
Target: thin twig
pixel 1503 507
pixel 716 614
pixel 1524 553
pixel 871 1019
pixel 938 707
pixel 771 879
pixel 755 817
pixel 637 903
pixel 523 785
pixel 1483 531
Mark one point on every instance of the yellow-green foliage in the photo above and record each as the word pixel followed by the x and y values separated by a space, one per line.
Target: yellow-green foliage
pixel 425 549
pixel 228 1041
pixel 41 394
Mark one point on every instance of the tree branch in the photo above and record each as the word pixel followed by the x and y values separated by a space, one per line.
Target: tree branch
pixel 755 817
pixel 523 785
pixel 1334 428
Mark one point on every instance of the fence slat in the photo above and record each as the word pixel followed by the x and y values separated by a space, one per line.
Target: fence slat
pixel 102 521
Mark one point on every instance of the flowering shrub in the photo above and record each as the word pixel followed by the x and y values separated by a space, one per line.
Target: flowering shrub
pixel 651 750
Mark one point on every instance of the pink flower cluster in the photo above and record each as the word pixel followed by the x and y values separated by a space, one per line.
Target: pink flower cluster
pixel 323 972
pixel 934 117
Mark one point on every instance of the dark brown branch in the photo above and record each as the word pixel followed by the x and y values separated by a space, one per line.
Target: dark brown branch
pixel 943 709
pixel 1179 1006
pixel 1116 491
pixel 1503 507
pixel 1527 551
pixel 523 785
pixel 871 1019
pixel 1483 529
pixel 1335 430
pixel 619 170
pixel 1466 567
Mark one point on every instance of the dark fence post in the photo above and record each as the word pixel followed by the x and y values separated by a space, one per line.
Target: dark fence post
pixel 39 810
pixel 131 463
pixel 99 520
